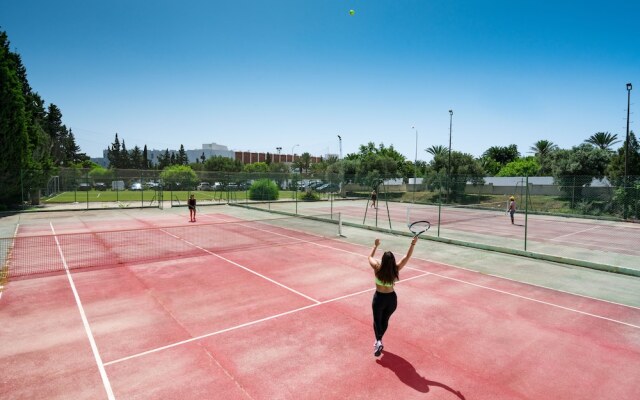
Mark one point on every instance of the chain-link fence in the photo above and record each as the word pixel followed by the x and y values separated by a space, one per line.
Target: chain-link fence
pixel 575 217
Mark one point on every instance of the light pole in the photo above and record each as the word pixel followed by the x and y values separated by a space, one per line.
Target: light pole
pixel 449 164
pixel 279 149
pixel 626 147
pixel 340 141
pixel 294 146
pixel 626 144
pixel 415 166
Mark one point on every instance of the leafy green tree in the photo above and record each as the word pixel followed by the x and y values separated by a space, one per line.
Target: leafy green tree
pixel 490 166
pixel 527 166
pixel 374 164
pixel 256 167
pixel 574 169
pixel 100 174
pixel 180 177
pixel 603 140
pixel 464 168
pixel 627 196
pixel 223 164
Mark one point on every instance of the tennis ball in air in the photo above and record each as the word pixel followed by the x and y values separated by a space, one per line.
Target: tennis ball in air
pixel 352 12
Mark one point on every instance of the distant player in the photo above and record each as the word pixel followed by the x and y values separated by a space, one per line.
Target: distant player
pixel 374 199
pixel 385 301
pixel 511 209
pixel 192 208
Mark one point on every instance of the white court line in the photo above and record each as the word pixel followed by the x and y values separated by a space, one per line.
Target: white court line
pixel 574 233
pixel 424 273
pixel 451 266
pixel 241 266
pixel 85 322
pixel 193 339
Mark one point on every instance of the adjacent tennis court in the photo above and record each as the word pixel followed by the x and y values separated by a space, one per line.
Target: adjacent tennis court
pixel 134 304
pixel 601 241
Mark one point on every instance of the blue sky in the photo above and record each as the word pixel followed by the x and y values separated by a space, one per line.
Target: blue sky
pixel 256 75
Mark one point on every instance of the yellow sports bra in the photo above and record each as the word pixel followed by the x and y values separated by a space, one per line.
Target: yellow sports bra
pixel 379 282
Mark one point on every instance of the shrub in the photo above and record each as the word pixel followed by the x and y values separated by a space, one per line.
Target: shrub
pixel 264 189
pixel 310 196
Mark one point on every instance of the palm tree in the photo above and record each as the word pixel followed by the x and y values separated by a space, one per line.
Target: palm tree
pixel 436 150
pixel 604 140
pixel 542 148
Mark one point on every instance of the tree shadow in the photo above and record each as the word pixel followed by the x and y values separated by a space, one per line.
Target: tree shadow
pixel 408 375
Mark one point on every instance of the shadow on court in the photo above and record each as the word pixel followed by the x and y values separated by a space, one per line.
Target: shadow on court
pixel 408 375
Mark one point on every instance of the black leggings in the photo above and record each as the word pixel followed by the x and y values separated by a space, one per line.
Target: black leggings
pixel 384 304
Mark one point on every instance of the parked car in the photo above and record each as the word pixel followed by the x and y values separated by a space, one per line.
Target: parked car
pixel 85 187
pixel 101 186
pixel 152 185
pixel 136 186
pixel 327 188
pixel 204 186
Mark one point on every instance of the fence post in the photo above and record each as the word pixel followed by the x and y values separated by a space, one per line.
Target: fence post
pixel 439 206
pixel 526 213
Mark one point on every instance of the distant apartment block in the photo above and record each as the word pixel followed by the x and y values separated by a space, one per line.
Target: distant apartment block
pixel 214 149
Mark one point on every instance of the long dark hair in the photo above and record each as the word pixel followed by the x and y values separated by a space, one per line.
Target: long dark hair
pixel 388 272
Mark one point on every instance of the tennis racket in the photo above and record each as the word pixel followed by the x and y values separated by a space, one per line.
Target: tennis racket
pixel 419 227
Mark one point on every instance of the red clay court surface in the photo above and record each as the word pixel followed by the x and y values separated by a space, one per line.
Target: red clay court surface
pixel 494 227
pixel 293 321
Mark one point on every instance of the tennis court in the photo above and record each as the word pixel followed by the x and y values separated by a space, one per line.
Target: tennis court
pixel 139 304
pixel 612 243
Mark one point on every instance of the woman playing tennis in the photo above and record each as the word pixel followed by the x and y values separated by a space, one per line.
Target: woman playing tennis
pixel 384 299
pixel 192 208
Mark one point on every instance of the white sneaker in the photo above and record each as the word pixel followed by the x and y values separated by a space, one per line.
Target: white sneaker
pixel 378 349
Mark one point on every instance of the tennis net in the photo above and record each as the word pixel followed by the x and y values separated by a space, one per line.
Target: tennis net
pixel 30 255
pixel 452 214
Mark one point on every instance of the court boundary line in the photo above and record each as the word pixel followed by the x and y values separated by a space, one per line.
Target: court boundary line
pixel 250 323
pixel 85 321
pixel 242 267
pixel 422 274
pixel 448 265
pixel 498 249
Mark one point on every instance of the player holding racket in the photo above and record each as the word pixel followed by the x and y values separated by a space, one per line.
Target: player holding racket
pixel 511 208
pixel 192 208
pixel 385 300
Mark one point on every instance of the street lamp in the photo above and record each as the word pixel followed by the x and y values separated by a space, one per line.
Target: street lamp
pixel 626 143
pixel 294 146
pixel 626 150
pixel 279 149
pixel 415 166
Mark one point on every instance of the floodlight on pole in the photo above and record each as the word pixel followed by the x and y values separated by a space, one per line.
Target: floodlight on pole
pixel 626 146
pixel 340 141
